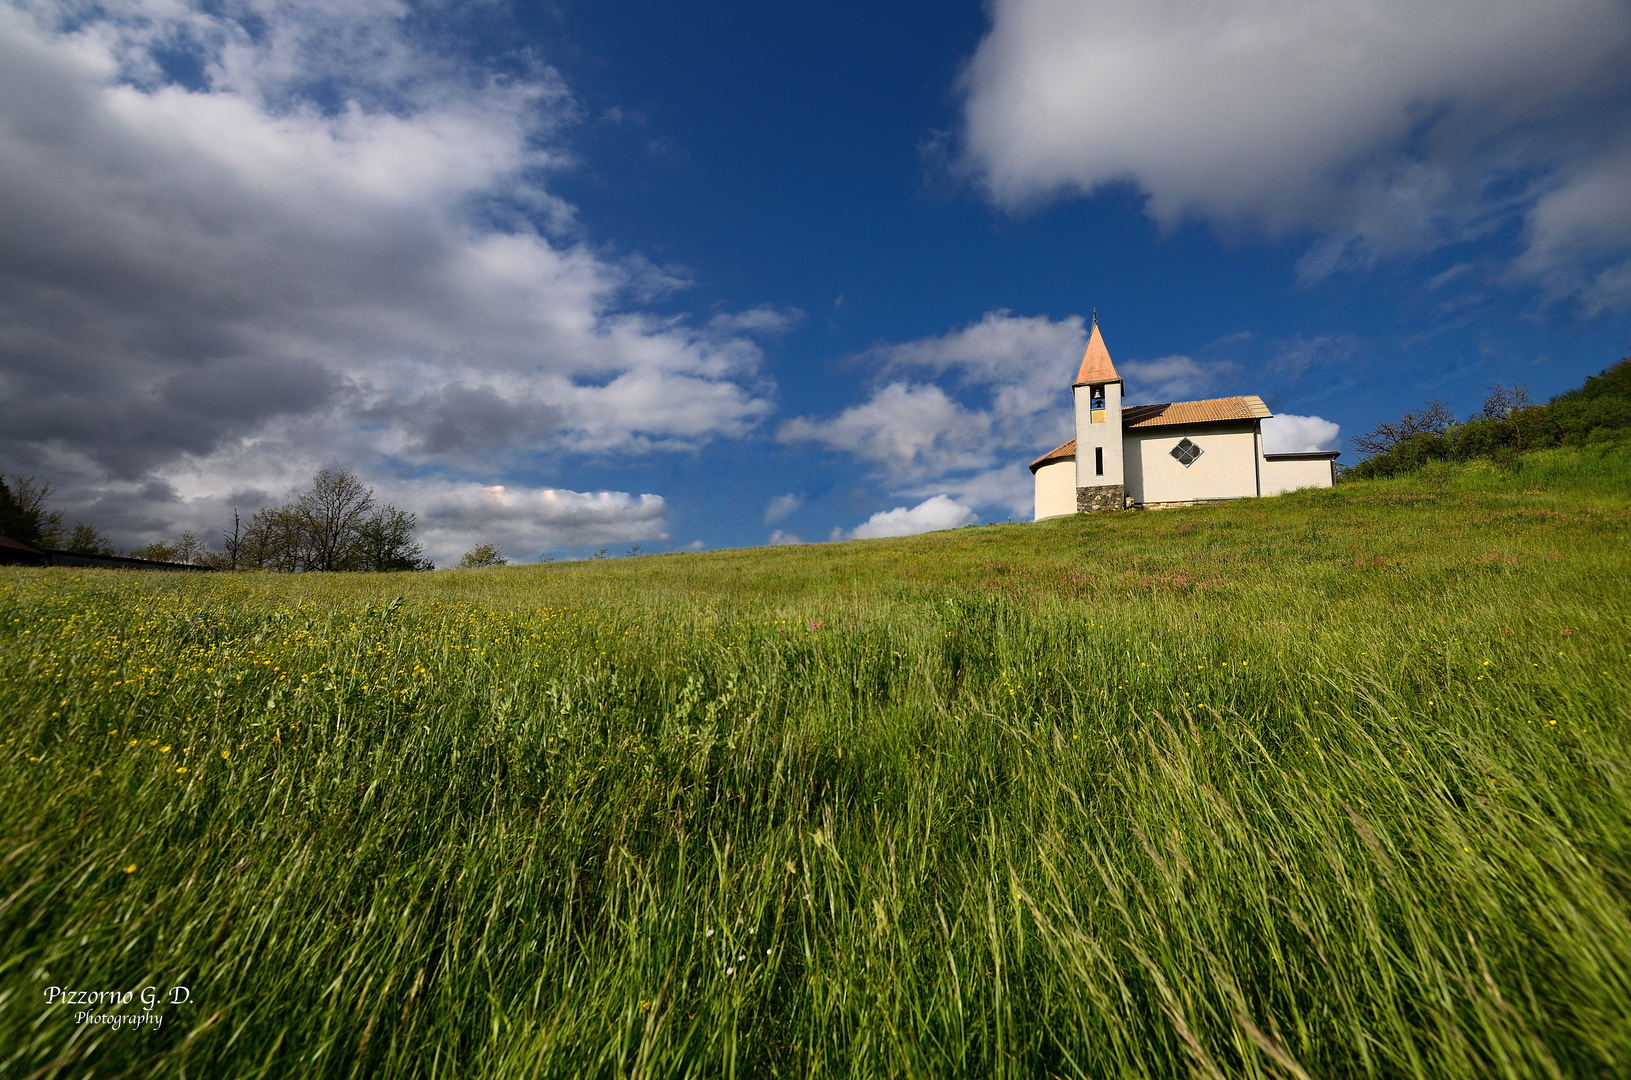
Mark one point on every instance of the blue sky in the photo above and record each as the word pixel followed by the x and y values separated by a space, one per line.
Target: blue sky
pixel 632 273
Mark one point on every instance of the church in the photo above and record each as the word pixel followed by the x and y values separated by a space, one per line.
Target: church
pixel 1176 454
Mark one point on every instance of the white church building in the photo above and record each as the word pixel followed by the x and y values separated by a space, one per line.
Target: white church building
pixel 1174 454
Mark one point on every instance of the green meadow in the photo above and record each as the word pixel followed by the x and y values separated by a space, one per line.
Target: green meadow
pixel 1336 784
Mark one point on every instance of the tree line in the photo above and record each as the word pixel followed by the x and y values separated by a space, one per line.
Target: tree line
pixel 1509 423
pixel 336 524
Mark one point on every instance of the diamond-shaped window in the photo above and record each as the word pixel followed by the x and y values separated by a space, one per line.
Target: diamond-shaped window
pixel 1186 452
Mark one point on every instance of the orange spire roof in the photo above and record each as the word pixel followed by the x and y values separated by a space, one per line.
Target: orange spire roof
pixel 1096 366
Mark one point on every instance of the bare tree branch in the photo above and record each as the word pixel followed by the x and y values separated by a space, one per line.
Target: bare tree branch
pixel 1434 417
pixel 330 514
pixel 1503 401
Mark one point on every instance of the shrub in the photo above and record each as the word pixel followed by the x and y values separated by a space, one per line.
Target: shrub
pixel 1596 412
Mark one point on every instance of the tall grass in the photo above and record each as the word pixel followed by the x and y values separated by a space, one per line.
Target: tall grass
pixel 1335 784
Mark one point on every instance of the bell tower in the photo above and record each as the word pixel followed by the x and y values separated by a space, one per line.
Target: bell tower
pixel 1100 481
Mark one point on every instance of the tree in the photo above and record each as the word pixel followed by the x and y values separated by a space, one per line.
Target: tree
pixel 1433 418
pixel 15 523
pixel 84 539
pixel 232 543
pixel 385 542
pixel 157 551
pixel 188 547
pixel 330 515
pixel 23 516
pixel 483 555
pixel 1503 401
pixel 231 554
pixel 337 524
pixel 273 540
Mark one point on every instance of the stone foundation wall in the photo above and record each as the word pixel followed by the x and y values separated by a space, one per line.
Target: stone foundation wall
pixel 1103 497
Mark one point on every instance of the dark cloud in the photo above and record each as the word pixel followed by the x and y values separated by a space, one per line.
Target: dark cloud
pixel 466 420
pixel 226 284
pixel 129 431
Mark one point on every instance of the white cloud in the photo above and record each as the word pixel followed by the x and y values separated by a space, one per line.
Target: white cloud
pixel 1024 359
pixel 764 320
pixel 1298 354
pixel 1589 213
pixel 232 283
pixel 1579 225
pixel 1389 124
pixel 1174 378
pixel 527 521
pixel 1609 289
pixel 908 428
pixel 1018 369
pixel 782 507
pixel 779 538
pixel 1288 433
pixel 1009 487
pixel 940 512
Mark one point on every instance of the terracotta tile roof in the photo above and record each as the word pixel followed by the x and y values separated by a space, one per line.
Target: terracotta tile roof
pixel 1058 453
pixel 1096 366
pixel 1249 407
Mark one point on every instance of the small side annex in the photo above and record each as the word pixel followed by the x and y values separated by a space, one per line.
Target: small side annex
pixel 1176 453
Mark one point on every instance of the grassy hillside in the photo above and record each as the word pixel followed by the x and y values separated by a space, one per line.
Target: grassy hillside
pixel 1334 784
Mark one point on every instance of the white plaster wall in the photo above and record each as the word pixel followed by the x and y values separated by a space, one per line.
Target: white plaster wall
pixel 1056 489
pixel 1133 466
pixel 1090 435
pixel 1281 476
pixel 1227 469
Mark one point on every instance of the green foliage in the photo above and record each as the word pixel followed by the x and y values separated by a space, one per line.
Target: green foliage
pixel 1597 412
pixel 1612 384
pixel 482 556
pixel 85 539
pixel 384 542
pixel 188 549
pixel 25 518
pixel 1330 784
pixel 157 551
pixel 23 514
pixel 336 524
